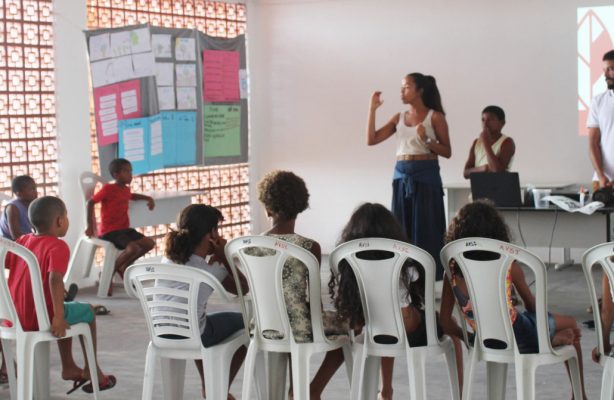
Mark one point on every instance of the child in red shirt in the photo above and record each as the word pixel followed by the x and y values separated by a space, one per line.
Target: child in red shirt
pixel 50 220
pixel 114 220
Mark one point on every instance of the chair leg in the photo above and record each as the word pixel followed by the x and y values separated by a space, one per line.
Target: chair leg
pixel 150 371
pixel 607 382
pixel 9 359
pixel 574 373
pixel 370 378
pixel 358 370
pixel 25 369
pixel 349 361
pixel 416 363
pixel 248 371
pixel 216 367
pixel 468 374
pixel 41 370
pixel 300 373
pixel 525 380
pixel 173 374
pixel 276 369
pixel 106 275
pixel 91 361
pixel 450 356
pixel 496 380
pixel 260 375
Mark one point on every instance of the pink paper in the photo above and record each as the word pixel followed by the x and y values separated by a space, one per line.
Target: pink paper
pixel 113 103
pixel 221 76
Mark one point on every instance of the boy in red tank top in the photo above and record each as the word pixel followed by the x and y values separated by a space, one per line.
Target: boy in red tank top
pixel 114 221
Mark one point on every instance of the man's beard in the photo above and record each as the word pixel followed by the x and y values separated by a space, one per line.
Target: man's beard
pixel 610 83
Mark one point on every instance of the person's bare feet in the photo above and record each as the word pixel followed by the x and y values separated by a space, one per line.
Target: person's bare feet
pixel 74 374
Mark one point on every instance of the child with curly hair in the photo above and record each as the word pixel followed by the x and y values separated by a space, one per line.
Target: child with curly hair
pixel 481 219
pixel 372 220
pixel 284 195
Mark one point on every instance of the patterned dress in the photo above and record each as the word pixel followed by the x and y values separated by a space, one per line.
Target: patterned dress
pixel 295 279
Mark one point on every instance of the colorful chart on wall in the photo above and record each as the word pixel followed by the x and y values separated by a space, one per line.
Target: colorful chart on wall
pixel 595 37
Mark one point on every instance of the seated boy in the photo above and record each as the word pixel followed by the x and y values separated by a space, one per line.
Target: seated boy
pixel 114 219
pixel 50 221
pixel 492 151
pixel 14 221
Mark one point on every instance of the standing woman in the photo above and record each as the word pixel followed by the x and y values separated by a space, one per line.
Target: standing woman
pixel 422 131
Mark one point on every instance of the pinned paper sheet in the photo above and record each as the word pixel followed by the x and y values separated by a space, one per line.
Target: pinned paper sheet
pixel 222 130
pixel 164 74
pixel 100 47
pixel 112 70
pixel 186 74
pixel 186 98
pixel 140 142
pixel 120 44
pixel 140 40
pixel 113 103
pixel 161 45
pixel 179 133
pixel 221 76
pixel 144 64
pixel 166 97
pixel 185 49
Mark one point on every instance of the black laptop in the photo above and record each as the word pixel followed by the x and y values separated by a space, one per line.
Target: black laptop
pixel 502 188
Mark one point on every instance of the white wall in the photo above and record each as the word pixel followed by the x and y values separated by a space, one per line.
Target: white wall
pixel 317 62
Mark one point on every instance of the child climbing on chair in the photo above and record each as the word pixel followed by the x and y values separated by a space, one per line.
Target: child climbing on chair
pixel 114 220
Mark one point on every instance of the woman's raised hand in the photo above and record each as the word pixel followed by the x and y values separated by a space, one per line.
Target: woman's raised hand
pixel 421 130
pixel 376 101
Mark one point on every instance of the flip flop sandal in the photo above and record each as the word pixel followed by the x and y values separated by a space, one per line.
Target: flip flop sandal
pixel 77 384
pixel 70 295
pixel 101 310
pixel 107 383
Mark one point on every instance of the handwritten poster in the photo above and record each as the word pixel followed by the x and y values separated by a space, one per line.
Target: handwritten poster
pixel 179 133
pixel 221 76
pixel 161 45
pixel 222 130
pixel 113 103
pixel 185 49
pixel 140 142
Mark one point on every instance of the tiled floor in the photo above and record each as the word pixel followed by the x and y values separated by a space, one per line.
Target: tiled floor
pixel 124 338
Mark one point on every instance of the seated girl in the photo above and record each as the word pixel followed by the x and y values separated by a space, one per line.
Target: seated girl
pixel 375 221
pixel 481 219
pixel 195 239
pixel 284 196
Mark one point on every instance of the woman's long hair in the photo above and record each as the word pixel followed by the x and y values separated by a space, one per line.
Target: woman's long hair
pixel 370 220
pixel 193 224
pixel 430 93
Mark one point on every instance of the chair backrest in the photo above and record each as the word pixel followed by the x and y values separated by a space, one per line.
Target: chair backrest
pixel 171 313
pixel 599 255
pixel 87 183
pixel 7 307
pixel 378 283
pixel 262 259
pixel 486 285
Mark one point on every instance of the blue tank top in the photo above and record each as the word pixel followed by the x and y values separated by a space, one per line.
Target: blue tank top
pixel 24 221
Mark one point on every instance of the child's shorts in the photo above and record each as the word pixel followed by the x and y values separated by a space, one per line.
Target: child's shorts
pixel 525 331
pixel 122 237
pixel 75 312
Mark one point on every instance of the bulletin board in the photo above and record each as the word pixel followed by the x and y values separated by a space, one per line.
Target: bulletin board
pixel 167 97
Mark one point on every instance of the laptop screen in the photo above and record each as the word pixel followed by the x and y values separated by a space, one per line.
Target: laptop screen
pixel 502 188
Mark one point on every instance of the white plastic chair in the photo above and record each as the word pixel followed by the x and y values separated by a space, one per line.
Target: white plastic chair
pixel 264 275
pixel 600 256
pixel 28 343
pixel 494 340
pixel 378 282
pixel 179 317
pixel 80 265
